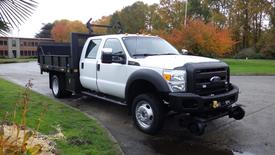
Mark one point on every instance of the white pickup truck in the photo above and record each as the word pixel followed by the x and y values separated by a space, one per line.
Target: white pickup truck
pixel 144 73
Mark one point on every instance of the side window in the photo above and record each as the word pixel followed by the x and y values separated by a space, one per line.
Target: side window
pixel 92 48
pixel 13 43
pixel 115 45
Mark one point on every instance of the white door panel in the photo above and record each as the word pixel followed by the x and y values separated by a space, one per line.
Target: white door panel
pixel 88 74
pixel 87 65
pixel 111 79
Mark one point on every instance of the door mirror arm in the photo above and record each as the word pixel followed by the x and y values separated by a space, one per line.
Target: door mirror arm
pixel 121 58
pixel 109 57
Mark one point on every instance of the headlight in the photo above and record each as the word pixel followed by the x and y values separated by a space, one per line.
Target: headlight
pixel 176 79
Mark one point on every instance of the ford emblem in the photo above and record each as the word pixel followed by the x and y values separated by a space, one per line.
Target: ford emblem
pixel 215 79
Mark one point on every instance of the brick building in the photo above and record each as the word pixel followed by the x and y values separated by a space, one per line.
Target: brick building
pixel 11 47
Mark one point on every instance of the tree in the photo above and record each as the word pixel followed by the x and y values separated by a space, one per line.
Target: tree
pixel 133 18
pixel 45 31
pixel 202 39
pixel 272 15
pixel 104 20
pixel 172 13
pixel 154 19
pixel 14 12
pixel 61 31
pixel 199 9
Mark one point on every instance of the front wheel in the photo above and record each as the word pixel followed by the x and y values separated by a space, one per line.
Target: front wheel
pixel 148 113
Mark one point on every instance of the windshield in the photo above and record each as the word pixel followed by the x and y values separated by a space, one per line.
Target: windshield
pixel 148 46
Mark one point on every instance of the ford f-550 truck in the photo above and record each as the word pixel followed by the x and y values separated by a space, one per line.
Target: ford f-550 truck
pixel 144 73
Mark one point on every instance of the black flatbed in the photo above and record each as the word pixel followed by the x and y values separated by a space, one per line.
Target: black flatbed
pixel 63 58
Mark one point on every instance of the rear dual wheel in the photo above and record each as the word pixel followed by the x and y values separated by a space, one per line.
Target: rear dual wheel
pixel 58 87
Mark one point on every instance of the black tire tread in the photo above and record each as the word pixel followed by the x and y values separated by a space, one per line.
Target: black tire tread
pixel 159 112
pixel 62 85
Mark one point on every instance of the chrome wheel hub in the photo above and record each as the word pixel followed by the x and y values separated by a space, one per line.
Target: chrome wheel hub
pixel 144 114
pixel 55 86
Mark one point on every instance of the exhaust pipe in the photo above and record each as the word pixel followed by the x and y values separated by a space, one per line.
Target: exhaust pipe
pixel 237 113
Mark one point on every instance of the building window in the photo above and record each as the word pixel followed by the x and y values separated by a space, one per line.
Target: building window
pixel 25 43
pixel 21 53
pixel 1 42
pixel 13 43
pixel 1 53
pixel 6 53
pixel 5 42
pixel 36 43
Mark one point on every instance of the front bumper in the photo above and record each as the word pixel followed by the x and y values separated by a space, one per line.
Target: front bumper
pixel 196 104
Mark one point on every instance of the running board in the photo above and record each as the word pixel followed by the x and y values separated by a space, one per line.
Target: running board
pixel 104 98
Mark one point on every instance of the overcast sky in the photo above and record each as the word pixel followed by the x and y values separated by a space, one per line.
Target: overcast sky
pixel 51 10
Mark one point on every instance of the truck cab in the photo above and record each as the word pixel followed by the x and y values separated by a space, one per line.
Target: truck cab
pixel 150 77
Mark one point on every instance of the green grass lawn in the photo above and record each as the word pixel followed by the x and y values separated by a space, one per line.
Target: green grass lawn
pixel 16 60
pixel 251 67
pixel 84 136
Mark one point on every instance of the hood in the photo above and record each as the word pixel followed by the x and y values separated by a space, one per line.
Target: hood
pixel 171 61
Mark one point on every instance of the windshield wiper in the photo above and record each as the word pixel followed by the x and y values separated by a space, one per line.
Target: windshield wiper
pixel 144 54
pixel 148 54
pixel 168 54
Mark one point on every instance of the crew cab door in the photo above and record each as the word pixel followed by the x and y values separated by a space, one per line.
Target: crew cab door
pixel 88 62
pixel 111 77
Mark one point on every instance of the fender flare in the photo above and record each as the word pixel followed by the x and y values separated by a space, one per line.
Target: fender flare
pixel 150 76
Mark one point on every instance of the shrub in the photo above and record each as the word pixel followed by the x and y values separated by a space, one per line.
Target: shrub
pixel 249 53
pixel 268 52
pixel 15 138
pixel 266 45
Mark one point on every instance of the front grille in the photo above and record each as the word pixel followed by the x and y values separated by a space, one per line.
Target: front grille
pixel 203 85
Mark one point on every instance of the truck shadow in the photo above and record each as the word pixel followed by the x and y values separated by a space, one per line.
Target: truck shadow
pixel 173 139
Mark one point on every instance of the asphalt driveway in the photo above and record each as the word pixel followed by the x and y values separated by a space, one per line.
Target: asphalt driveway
pixel 255 134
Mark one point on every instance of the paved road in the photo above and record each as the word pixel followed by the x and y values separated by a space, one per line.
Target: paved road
pixel 255 134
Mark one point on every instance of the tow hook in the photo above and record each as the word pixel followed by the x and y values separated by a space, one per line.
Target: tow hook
pixel 197 128
pixel 237 113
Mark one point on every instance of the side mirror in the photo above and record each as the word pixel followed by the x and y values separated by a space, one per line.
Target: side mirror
pixel 184 52
pixel 107 56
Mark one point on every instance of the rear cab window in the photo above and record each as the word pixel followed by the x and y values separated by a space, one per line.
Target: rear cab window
pixel 92 48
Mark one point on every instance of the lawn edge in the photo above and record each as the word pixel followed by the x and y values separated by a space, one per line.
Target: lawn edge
pixel 252 74
pixel 14 61
pixel 113 139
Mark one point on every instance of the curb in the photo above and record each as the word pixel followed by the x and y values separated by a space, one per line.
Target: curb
pixel 117 146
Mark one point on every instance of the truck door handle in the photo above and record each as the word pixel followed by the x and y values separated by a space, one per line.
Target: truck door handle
pixel 98 67
pixel 82 65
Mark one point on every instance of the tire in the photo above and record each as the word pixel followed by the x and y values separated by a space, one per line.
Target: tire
pixel 148 113
pixel 58 87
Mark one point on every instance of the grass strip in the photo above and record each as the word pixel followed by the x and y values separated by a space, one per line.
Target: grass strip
pixel 83 134
pixel 16 60
pixel 251 66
